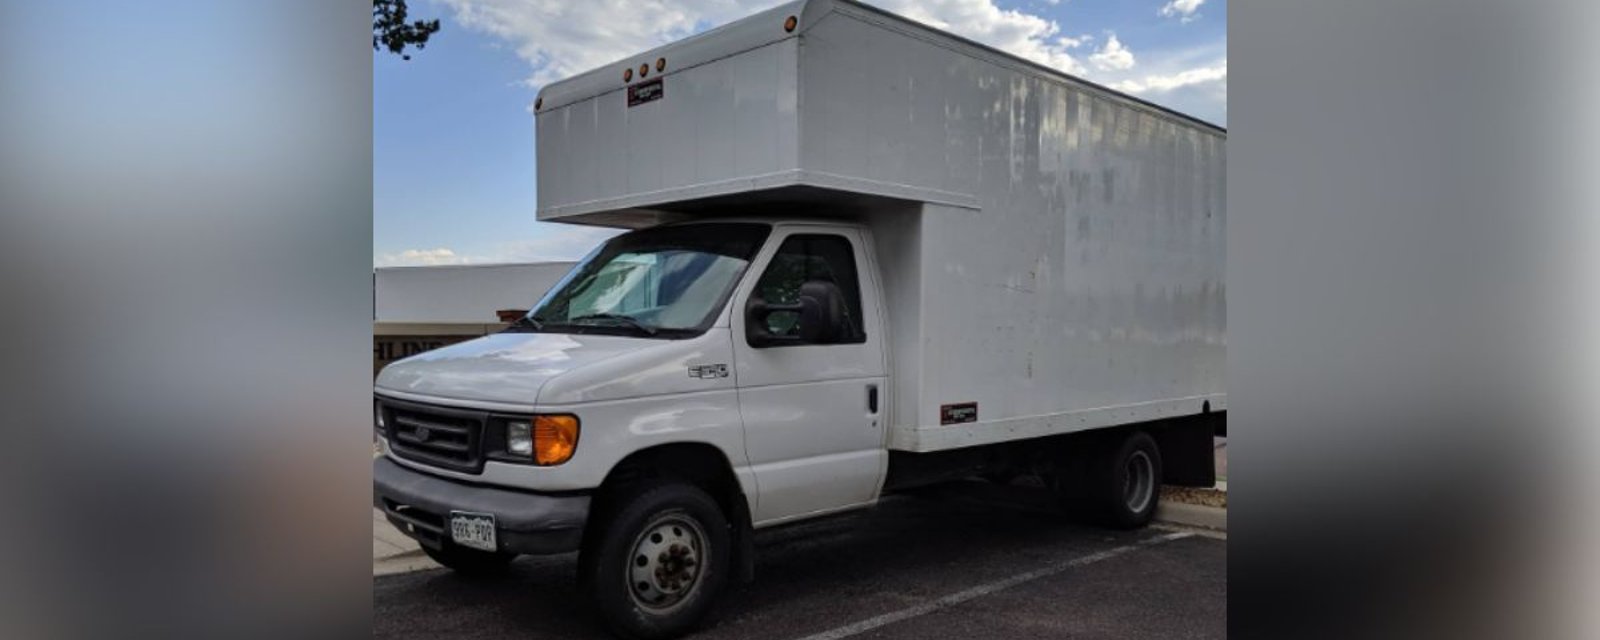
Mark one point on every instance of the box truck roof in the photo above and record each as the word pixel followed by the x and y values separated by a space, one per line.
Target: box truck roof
pixel 765 28
pixel 852 104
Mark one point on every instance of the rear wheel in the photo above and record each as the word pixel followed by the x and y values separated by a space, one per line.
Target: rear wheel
pixel 658 561
pixel 470 562
pixel 1117 483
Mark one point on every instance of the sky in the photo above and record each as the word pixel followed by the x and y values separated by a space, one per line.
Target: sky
pixel 453 148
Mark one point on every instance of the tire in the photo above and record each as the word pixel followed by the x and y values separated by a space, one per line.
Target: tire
pixel 1117 484
pixel 657 561
pixel 470 562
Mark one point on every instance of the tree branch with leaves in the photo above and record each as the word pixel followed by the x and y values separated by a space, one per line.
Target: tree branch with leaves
pixel 391 31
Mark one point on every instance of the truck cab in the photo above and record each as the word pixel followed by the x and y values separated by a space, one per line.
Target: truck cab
pixel 742 356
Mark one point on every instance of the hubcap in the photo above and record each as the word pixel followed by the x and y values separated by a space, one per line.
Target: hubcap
pixel 1139 481
pixel 664 568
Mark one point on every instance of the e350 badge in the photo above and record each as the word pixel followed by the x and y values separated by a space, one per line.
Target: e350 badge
pixel 708 371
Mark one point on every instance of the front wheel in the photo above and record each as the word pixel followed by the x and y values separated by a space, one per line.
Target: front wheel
pixel 658 561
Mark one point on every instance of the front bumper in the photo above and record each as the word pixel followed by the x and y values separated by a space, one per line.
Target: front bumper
pixel 420 504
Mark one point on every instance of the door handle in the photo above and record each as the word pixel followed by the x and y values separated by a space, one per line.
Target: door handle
pixel 872 399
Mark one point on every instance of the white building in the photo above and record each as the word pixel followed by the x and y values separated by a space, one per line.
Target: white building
pixel 416 309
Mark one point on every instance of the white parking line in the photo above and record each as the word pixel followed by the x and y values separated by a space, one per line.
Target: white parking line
pixel 988 588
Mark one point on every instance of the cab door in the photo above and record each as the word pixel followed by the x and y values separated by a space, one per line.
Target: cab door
pixel 812 412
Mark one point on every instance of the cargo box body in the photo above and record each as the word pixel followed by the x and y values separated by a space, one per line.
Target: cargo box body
pixel 1051 252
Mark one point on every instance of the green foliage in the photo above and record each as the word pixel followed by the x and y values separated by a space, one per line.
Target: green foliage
pixel 390 30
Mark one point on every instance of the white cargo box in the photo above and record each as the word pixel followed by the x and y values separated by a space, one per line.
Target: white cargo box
pixel 1051 251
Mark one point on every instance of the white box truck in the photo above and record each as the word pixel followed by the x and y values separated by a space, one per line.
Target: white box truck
pixel 865 255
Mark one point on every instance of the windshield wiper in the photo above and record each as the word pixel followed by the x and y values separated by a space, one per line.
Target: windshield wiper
pixel 523 324
pixel 628 320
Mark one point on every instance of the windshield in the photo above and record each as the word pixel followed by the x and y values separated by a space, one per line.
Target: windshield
pixel 666 282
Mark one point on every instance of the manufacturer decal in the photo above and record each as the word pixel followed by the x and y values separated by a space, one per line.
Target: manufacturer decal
pixel 708 371
pixel 645 92
pixel 958 413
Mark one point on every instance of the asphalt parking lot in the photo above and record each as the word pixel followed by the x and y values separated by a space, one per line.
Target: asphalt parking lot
pixel 960 561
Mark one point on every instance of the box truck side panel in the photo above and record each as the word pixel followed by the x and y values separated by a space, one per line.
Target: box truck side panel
pixel 1084 287
pixel 1052 251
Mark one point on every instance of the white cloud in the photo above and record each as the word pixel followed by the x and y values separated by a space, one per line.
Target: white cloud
pixel 1073 43
pixel 561 38
pixel 1113 56
pixel 1184 10
pixel 1021 34
pixel 547 242
pixel 553 242
pixel 419 257
pixel 1206 76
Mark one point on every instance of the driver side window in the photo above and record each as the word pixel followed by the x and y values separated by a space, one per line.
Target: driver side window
pixel 804 257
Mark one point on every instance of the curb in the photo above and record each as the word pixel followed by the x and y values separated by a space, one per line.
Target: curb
pixel 403 563
pixel 1202 508
pixel 408 553
pixel 1193 515
pixel 393 551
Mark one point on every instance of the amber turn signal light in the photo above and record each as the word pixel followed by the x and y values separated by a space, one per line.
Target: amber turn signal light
pixel 790 24
pixel 555 438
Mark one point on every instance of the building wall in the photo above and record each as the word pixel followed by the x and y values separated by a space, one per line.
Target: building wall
pixel 460 294
pixel 417 309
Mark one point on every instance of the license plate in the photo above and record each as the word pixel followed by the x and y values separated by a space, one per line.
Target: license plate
pixel 473 530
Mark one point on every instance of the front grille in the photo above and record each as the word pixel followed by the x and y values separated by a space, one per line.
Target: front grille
pixel 437 436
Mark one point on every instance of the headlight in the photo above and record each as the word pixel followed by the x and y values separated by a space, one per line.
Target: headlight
pixel 549 440
pixel 519 438
pixel 377 415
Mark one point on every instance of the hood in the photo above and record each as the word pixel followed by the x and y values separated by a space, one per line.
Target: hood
pixel 507 368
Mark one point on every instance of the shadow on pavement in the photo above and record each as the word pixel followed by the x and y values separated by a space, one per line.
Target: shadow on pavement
pixel 815 576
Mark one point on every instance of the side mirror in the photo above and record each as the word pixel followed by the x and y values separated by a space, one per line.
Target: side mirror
pixel 820 317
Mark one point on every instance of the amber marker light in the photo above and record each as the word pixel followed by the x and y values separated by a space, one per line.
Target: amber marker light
pixel 627 74
pixel 661 65
pixel 555 438
pixel 644 70
pixel 538 103
pixel 790 24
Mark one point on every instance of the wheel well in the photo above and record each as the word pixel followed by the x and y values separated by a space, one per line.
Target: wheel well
pixel 1184 443
pixel 700 464
pixel 1187 455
